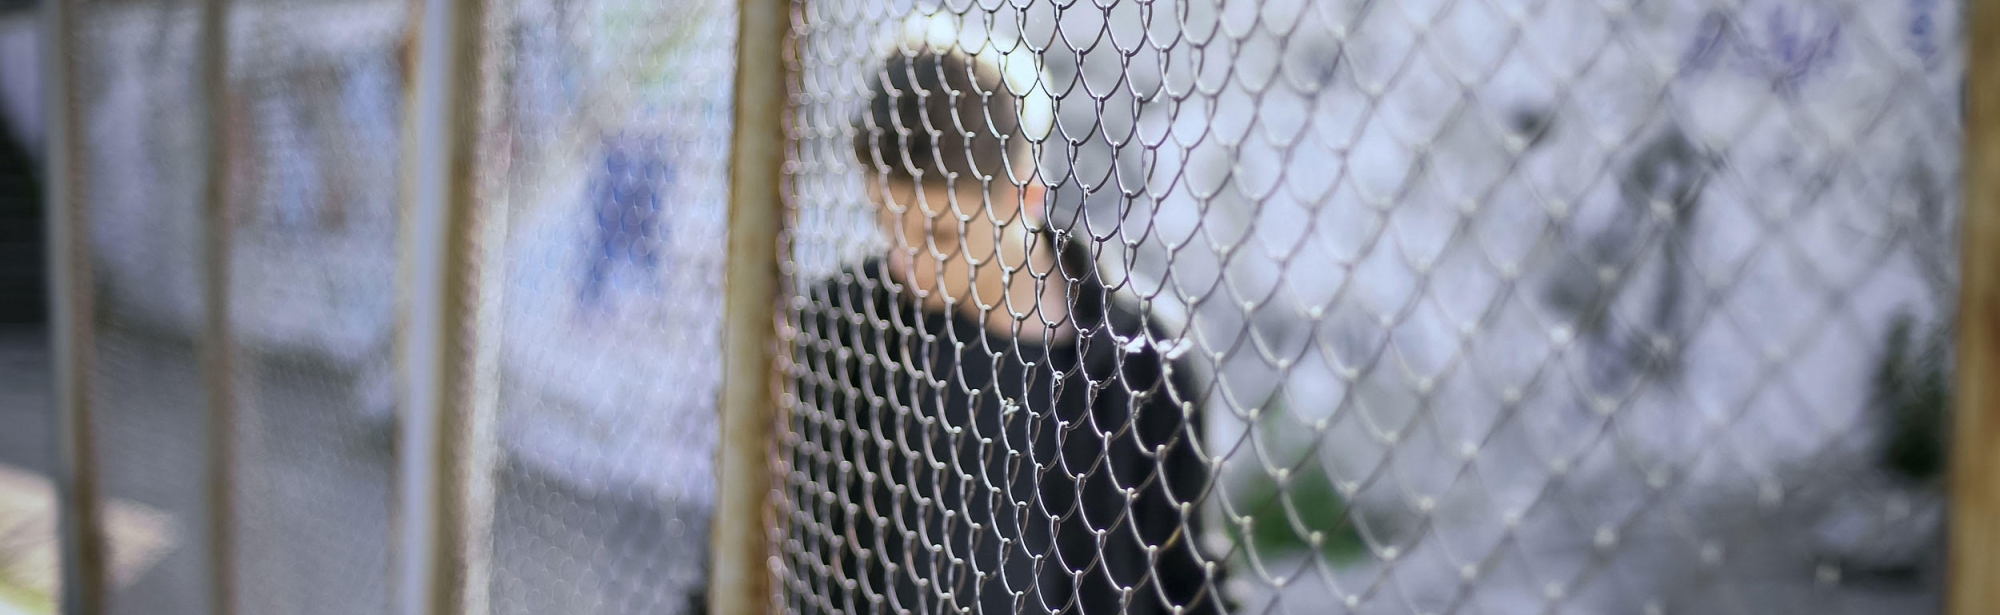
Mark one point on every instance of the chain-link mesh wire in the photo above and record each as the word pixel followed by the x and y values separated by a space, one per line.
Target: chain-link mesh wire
pixel 611 117
pixel 1434 306
pixel 135 88
pixel 312 149
pixel 617 113
pixel 312 139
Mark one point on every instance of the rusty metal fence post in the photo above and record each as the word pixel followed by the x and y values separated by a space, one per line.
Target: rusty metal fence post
pixel 739 579
pixel 218 339
pixel 1974 577
pixel 85 560
pixel 446 449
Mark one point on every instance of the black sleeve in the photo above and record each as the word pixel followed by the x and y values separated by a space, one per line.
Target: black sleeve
pixel 832 450
pixel 1171 423
pixel 814 447
pixel 1162 457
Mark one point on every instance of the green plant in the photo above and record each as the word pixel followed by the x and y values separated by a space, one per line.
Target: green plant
pixel 1310 495
pixel 1284 516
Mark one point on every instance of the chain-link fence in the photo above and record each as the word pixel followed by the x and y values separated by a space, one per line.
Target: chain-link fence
pixel 310 100
pixel 1376 307
pixel 613 304
pixel 1250 306
pixel 145 177
pixel 612 206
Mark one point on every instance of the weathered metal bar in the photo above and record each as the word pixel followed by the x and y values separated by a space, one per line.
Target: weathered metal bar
pixel 740 577
pixel 85 560
pixel 218 340
pixel 445 449
pixel 1974 560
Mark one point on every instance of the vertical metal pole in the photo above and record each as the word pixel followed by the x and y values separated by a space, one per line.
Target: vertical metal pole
pixel 1974 560
pixel 445 445
pixel 218 340
pixel 739 582
pixel 84 558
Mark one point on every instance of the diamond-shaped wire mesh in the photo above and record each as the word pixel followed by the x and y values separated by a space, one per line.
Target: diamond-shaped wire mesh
pixel 1428 306
pixel 133 88
pixel 611 117
pixel 312 125
pixel 313 148
pixel 617 115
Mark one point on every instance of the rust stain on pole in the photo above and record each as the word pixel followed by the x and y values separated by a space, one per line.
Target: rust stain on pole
pixel 740 577
pixel 1974 561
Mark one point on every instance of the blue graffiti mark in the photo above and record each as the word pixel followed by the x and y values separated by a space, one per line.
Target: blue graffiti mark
pixel 1788 47
pixel 1922 33
pixel 625 197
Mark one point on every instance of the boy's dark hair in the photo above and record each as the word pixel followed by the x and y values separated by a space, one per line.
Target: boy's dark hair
pixel 936 115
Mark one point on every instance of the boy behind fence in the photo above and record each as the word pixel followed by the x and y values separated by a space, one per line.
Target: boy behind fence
pixel 982 427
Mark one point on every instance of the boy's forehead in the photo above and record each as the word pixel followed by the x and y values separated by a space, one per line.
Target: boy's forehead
pixel 1021 163
pixel 959 186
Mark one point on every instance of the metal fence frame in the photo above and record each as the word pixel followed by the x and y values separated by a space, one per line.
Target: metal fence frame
pixel 85 561
pixel 739 578
pixel 446 436
pixel 445 343
pixel 1973 572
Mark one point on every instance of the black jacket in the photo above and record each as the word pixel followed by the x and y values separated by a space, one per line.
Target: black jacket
pixel 937 468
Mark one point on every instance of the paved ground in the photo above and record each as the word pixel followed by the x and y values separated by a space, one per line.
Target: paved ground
pixel 314 488
pixel 24 399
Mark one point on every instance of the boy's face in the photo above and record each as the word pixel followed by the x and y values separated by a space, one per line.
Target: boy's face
pixel 935 228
